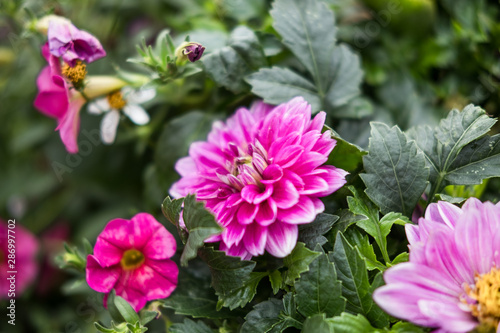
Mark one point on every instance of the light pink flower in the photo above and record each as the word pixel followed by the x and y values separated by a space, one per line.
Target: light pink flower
pixel 24 263
pixel 72 44
pixel 132 257
pixel 261 173
pixel 58 99
pixel 452 280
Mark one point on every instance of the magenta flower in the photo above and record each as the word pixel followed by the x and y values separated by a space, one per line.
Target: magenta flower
pixel 71 44
pixel 452 281
pixel 261 174
pixel 132 257
pixel 58 99
pixel 24 248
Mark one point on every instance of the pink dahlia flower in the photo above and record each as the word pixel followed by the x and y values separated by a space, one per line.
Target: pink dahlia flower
pixel 25 249
pixel 452 281
pixel 132 257
pixel 71 44
pixel 261 174
pixel 58 99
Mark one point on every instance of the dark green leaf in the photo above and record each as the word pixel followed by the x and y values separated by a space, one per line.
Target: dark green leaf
pixel 298 262
pixel 396 173
pixel 318 290
pixel 239 297
pixel 351 270
pixel 263 317
pixel 312 233
pixel 357 107
pixel 349 323
pixel 276 280
pixel 190 326
pixel 365 249
pixel 229 65
pixel 317 324
pixel 171 209
pixel 147 316
pixel 278 85
pixel 346 218
pixel 200 224
pixel 346 156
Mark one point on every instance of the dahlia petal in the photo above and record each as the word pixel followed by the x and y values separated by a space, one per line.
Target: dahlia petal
pixel 309 139
pixel 334 177
pixel 268 211
pixel 254 195
pixel 255 239
pixel 313 184
pixel 307 162
pixel 272 174
pixel 472 203
pixel 295 179
pixel 444 212
pixel 237 250
pixel 101 279
pixel 247 213
pixel 291 139
pixel 302 212
pixel 412 233
pixel 233 233
pixel 284 194
pixel 318 122
pixel 319 206
pixel 474 240
pixel 186 166
pixel 449 316
pixel 207 155
pixel 287 156
pixel 281 239
pixel 325 144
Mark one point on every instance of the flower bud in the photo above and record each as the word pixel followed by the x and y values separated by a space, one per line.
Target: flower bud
pixel 42 25
pixel 99 85
pixel 191 51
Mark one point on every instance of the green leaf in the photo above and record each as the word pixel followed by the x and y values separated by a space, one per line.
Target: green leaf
pixel 317 324
pixel 278 85
pixel 231 276
pixel 346 155
pixel 298 262
pixel 319 291
pixel 276 280
pixel 346 218
pixel 172 209
pixel 455 152
pixel 396 173
pixel 351 270
pixel 308 30
pixel 147 316
pixel 364 248
pixel 357 107
pixel 404 327
pixel 229 65
pixel 200 224
pixel 128 313
pixel 113 309
pixel 190 326
pixel 263 317
pixel 312 233
pixel 402 257
pixel 345 81
pixel 349 323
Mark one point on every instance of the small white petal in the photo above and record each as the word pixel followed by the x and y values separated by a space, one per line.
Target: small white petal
pixel 109 124
pixel 140 96
pixel 137 114
pixel 99 106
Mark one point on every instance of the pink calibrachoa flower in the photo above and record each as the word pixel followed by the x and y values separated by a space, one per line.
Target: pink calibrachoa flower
pixel 452 281
pixel 72 44
pixel 132 257
pixel 261 175
pixel 58 99
pixel 25 264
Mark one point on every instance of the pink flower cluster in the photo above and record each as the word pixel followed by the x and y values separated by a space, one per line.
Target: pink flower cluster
pixel 132 257
pixel 452 280
pixel 261 173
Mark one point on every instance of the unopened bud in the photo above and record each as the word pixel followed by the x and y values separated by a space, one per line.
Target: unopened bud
pixel 191 51
pixel 100 85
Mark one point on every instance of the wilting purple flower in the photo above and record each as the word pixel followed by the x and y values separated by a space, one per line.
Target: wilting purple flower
pixel 71 44
pixel 132 257
pixel 193 51
pixel 261 175
pixel 452 281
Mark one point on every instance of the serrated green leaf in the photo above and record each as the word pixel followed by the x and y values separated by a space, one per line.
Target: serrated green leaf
pixel 276 280
pixel 190 326
pixel 297 21
pixel 317 324
pixel 318 290
pixel 298 262
pixel 351 270
pixel 263 317
pixel 349 323
pixel 277 85
pixel 356 107
pixel 172 209
pixel 200 224
pixel 231 276
pixel 242 55
pixel 312 233
pixel 346 155
pixel 396 172
pixel 364 248
pixel 346 218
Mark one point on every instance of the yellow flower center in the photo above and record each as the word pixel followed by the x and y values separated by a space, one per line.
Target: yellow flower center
pixel 487 294
pixel 116 100
pixel 75 74
pixel 132 259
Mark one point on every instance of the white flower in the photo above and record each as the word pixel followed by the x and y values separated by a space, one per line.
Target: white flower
pixel 127 100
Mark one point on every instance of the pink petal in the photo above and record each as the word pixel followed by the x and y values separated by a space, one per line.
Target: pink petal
pixel 69 126
pixel 255 195
pixel 318 122
pixel 255 239
pixel 285 195
pixel 99 278
pixel 186 166
pixel 272 174
pixel 444 212
pixel 233 233
pixel 237 250
pixel 307 162
pixel 161 244
pixel 247 213
pixel 52 98
pixel 449 316
pixel 268 211
pixel 303 212
pixel 287 156
pixel 281 239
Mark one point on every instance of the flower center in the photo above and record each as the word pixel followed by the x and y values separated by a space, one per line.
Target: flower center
pixel 132 259
pixel 116 100
pixel 75 74
pixel 486 292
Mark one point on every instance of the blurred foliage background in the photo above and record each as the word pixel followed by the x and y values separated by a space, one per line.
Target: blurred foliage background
pixel 421 58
